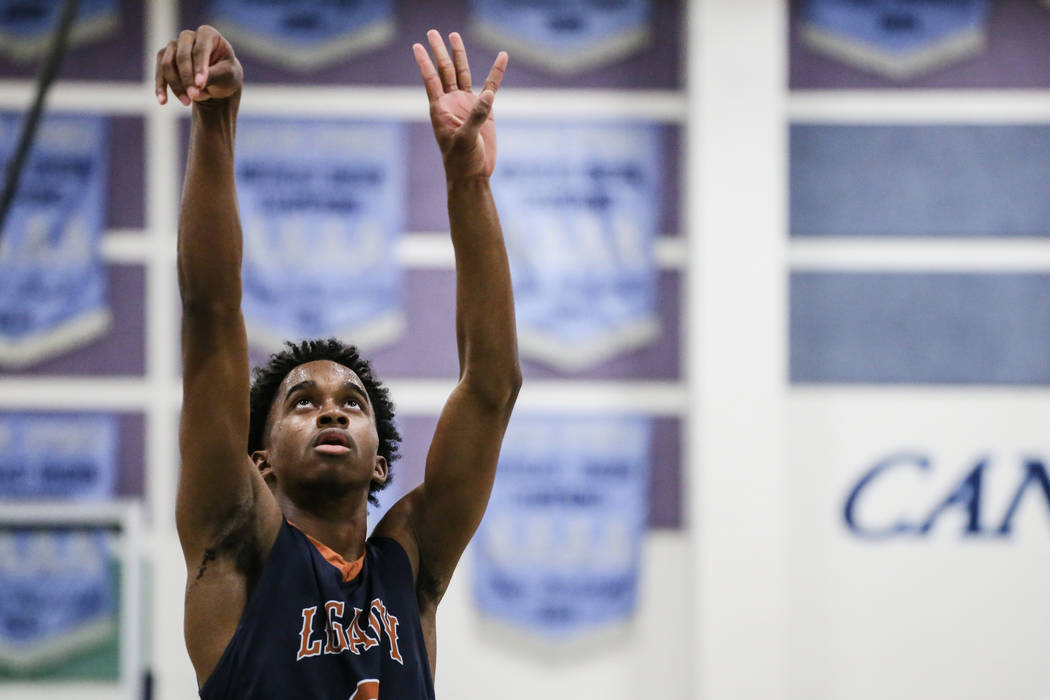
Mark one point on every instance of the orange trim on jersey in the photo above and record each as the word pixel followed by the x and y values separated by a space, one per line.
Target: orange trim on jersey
pixel 348 569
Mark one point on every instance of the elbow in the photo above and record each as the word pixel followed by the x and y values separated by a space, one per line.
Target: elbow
pixel 202 306
pixel 504 393
pixel 497 391
pixel 211 294
pixel 514 386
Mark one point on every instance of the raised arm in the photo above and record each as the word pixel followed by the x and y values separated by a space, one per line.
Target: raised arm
pixel 445 511
pixel 218 485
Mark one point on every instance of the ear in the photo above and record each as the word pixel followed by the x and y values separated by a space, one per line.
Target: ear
pixel 380 469
pixel 261 462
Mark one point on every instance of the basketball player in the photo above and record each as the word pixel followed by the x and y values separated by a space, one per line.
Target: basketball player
pixel 285 597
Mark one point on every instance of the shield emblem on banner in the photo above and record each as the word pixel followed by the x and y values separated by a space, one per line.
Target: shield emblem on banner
pixel 52 280
pixel 59 596
pixel 899 39
pixel 306 35
pixel 26 25
pixel 321 203
pixel 558 553
pixel 564 36
pixel 578 205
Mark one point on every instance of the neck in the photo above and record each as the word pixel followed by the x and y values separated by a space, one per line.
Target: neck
pixel 341 526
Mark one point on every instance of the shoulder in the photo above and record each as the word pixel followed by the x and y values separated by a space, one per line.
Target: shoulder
pixel 390 556
pixel 220 588
pixel 399 525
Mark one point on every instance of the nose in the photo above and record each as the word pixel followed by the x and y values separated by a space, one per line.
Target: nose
pixel 332 418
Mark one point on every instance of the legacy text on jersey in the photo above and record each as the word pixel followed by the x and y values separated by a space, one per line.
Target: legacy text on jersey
pixel 346 633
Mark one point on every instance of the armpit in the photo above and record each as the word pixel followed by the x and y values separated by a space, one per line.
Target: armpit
pixel 239 542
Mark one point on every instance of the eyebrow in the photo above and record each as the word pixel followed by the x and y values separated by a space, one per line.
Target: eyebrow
pixel 356 389
pixel 310 384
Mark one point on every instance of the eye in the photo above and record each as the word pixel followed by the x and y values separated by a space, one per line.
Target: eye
pixel 353 402
pixel 303 401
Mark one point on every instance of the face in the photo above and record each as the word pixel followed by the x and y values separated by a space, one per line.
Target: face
pixel 321 438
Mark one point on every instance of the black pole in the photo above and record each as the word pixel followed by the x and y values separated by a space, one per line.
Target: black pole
pixel 52 62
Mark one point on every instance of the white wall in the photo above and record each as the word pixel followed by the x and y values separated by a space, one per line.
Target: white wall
pixel 941 616
pixel 737 346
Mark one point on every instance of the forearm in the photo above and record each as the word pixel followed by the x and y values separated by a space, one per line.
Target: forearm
pixel 209 248
pixel 214 481
pixel 485 326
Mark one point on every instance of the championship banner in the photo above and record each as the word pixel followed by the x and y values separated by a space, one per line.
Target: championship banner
pixel 564 36
pixel 321 203
pixel 899 39
pixel 579 210
pixel 558 553
pixel 305 35
pixel 26 26
pixel 58 612
pixel 52 280
pixel 67 456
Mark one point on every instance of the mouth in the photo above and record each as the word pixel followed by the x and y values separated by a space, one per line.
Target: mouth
pixel 332 441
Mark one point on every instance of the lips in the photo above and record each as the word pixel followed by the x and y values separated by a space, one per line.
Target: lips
pixel 332 441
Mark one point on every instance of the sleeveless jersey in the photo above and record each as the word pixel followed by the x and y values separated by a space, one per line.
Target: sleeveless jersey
pixel 331 631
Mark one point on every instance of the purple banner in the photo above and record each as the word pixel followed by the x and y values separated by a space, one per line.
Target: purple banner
pixel 1018 46
pixel 115 57
pixel 656 67
pixel 122 351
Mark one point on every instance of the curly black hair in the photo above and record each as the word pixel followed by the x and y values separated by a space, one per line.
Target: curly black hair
pixel 267 378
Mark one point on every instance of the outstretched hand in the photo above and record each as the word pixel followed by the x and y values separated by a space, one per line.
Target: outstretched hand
pixel 198 66
pixel 462 121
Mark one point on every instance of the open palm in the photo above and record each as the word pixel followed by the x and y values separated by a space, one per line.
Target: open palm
pixel 462 121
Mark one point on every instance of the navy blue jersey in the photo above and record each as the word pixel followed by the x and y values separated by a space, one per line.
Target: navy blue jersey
pixel 318 627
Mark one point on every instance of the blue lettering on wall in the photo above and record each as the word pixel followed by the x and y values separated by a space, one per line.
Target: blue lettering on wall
pixel 966 495
pixel 900 527
pixel 1035 472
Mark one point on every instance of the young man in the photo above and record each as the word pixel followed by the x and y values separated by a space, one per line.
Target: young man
pixel 285 598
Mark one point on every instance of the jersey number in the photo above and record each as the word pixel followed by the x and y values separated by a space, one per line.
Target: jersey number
pixel 368 689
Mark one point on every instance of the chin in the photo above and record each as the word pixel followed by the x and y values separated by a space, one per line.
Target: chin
pixel 328 483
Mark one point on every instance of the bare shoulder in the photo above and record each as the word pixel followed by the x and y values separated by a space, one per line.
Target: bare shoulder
pixel 219 581
pixel 399 524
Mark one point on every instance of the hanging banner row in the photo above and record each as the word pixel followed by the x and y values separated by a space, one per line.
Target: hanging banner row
pixel 322 204
pixel 561 38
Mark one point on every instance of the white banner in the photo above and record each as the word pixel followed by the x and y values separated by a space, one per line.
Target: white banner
pixel 27 26
pixel 900 39
pixel 579 209
pixel 564 36
pixel 305 35
pixel 52 280
pixel 558 554
pixel 322 204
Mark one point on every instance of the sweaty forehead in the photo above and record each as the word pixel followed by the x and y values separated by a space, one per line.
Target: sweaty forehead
pixel 323 373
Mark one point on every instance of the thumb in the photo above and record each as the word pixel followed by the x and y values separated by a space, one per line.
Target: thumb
pixel 223 77
pixel 481 111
